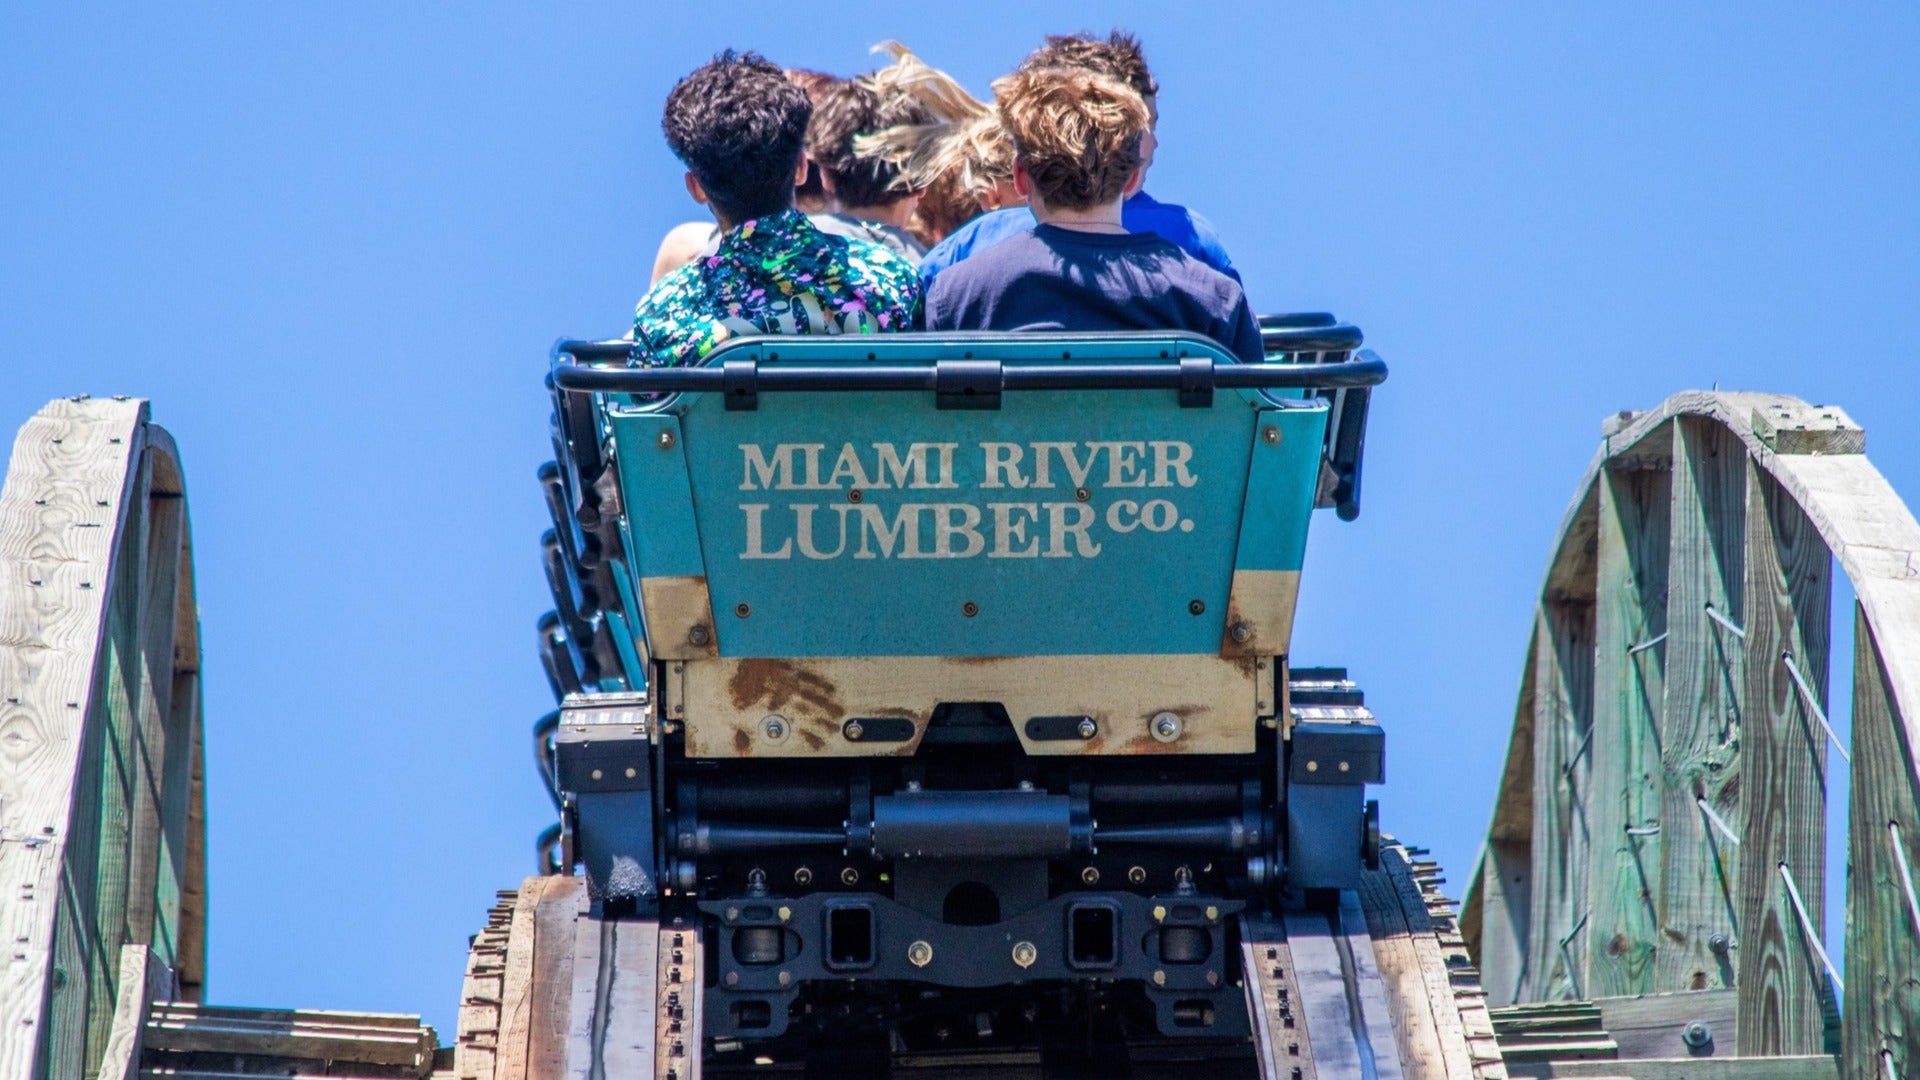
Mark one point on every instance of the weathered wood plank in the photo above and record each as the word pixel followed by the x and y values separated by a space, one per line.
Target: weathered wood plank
pixel 1629 684
pixel 1783 774
pixel 1652 1026
pixel 1422 1055
pixel 517 985
pixel 1883 941
pixel 1562 730
pixel 550 1022
pixel 1701 723
pixel 1819 1067
pixel 120 1060
pixel 66 494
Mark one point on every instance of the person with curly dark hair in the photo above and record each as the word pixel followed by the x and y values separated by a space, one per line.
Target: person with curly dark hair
pixel 1120 57
pixel 871 205
pixel 739 125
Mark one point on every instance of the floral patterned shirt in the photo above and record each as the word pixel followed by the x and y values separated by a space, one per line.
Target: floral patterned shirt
pixel 777 274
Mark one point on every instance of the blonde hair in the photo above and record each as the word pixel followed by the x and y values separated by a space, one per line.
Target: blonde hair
pixel 1077 133
pixel 954 162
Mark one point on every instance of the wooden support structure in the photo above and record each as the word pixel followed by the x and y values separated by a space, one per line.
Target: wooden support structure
pixel 101 826
pixel 1705 535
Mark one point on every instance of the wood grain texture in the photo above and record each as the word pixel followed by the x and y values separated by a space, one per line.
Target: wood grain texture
pixel 1783 775
pixel 1563 766
pixel 517 990
pixel 120 1060
pixel 66 496
pixel 1629 693
pixel 563 901
pixel 1701 723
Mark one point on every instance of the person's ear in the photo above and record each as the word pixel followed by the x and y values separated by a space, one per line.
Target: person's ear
pixel 800 170
pixel 1022 181
pixel 694 189
pixel 1135 182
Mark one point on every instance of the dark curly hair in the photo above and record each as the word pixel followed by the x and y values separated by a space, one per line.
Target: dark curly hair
pixel 855 108
pixel 740 126
pixel 1118 57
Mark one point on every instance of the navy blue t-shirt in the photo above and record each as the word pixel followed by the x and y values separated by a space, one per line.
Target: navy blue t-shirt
pixel 1049 278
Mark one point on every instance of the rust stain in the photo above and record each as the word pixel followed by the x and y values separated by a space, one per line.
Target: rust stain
pixel 784 686
pixel 742 742
pixel 978 661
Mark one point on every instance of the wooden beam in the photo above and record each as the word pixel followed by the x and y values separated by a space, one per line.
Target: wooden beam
pixel 66 497
pixel 1819 1067
pixel 1629 681
pixel 1784 754
pixel 1562 727
pixel 1700 721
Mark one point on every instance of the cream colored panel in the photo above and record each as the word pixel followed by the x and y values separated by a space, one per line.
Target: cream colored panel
pixel 727 702
pixel 1260 613
pixel 679 617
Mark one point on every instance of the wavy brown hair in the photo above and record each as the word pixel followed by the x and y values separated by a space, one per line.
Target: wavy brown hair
pixel 1077 133
pixel 1118 57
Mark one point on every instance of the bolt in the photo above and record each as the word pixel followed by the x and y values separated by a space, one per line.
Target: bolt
pixel 785 979
pixel 699 635
pixel 1313 766
pixel 1344 767
pixel 1720 944
pixel 666 440
pixel 1272 435
pixel 1241 633
pixel 855 495
pixel 920 954
pixel 849 876
pixel 1166 726
pixel 1159 978
pixel 1082 494
pixel 1159 913
pixel 969 609
pixel 1137 875
pixel 1697 1034
pixel 631 773
pixel 733 914
pixel 1197 607
pixel 1024 954
pixel 742 609
pixel 774 727
pixel 1026 785
pixel 1213 914
pixel 803 876
pixel 1087 728
pixel 1091 875
pixel 732 979
pixel 1213 978
pixel 854 730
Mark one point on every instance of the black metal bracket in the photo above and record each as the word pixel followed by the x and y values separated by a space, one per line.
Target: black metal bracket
pixel 968 384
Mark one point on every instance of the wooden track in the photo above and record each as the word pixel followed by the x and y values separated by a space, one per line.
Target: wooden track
pixel 1663 800
pixel 102 834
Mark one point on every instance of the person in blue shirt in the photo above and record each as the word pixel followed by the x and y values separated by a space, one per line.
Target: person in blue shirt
pixel 1118 57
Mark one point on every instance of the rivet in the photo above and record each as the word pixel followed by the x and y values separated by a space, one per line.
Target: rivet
pixel 699 635
pixel 849 876
pixel 1159 913
pixel 785 913
pixel 1344 767
pixel 969 609
pixel 666 439
pixel 855 495
pixel 732 979
pixel 733 914
pixel 920 954
pixel 803 876
pixel 1213 914
pixel 1087 728
pixel 1197 607
pixel 785 978
pixel 1024 954
pixel 596 774
pixel 1159 978
pixel 1082 494
pixel 775 727
pixel 1213 978
pixel 631 774
pixel 1091 875
pixel 742 609
pixel 1137 875
pixel 1271 435
pixel 1313 766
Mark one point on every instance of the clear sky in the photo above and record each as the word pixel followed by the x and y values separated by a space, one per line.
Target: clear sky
pixel 333 242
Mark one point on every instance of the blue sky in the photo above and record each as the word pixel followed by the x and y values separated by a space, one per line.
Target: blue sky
pixel 334 242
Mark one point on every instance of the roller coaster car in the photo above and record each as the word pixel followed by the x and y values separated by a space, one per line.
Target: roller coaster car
pixel 924 669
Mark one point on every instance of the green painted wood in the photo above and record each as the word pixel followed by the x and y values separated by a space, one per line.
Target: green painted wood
pixel 1631 609
pixel 1700 727
pixel 1789 575
pixel 1883 943
pixel 1563 719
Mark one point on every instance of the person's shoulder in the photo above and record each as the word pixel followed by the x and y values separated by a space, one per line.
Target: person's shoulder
pixel 1187 228
pixel 679 283
pixel 976 235
pixel 875 260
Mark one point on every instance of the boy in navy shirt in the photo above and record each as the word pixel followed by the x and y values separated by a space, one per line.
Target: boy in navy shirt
pixel 1078 154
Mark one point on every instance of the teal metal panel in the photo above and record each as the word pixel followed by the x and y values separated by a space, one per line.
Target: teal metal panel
pixel 665 536
pixel 1281 479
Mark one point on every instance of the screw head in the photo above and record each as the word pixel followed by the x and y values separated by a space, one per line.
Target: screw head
pixel 1091 875
pixel 666 440
pixel 855 495
pixel 1082 494
pixel 1197 607
pixel 1159 978
pixel 920 954
pixel 1166 726
pixel 1024 954
pixel 1137 875
pixel 743 609
pixel 1213 978
pixel 1087 728
pixel 732 979
pixel 699 635
pixel 1720 944
pixel 1696 1034
pixel 969 609
pixel 1159 913
pixel 803 876
pixel 775 727
pixel 1270 435
pixel 733 914
pixel 1241 633
pixel 849 876
pixel 785 913
pixel 853 730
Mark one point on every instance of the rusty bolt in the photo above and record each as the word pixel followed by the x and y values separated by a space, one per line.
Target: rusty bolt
pixel 666 440
pixel 1197 607
pixel 855 495
pixel 1024 954
pixel 1241 633
pixel 969 609
pixel 920 954
pixel 699 635
pixel 1087 729
pixel 743 609
pixel 1271 434
pixel 1091 875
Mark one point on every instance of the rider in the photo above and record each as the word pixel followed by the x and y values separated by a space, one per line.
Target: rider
pixel 739 124
pixel 1078 141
